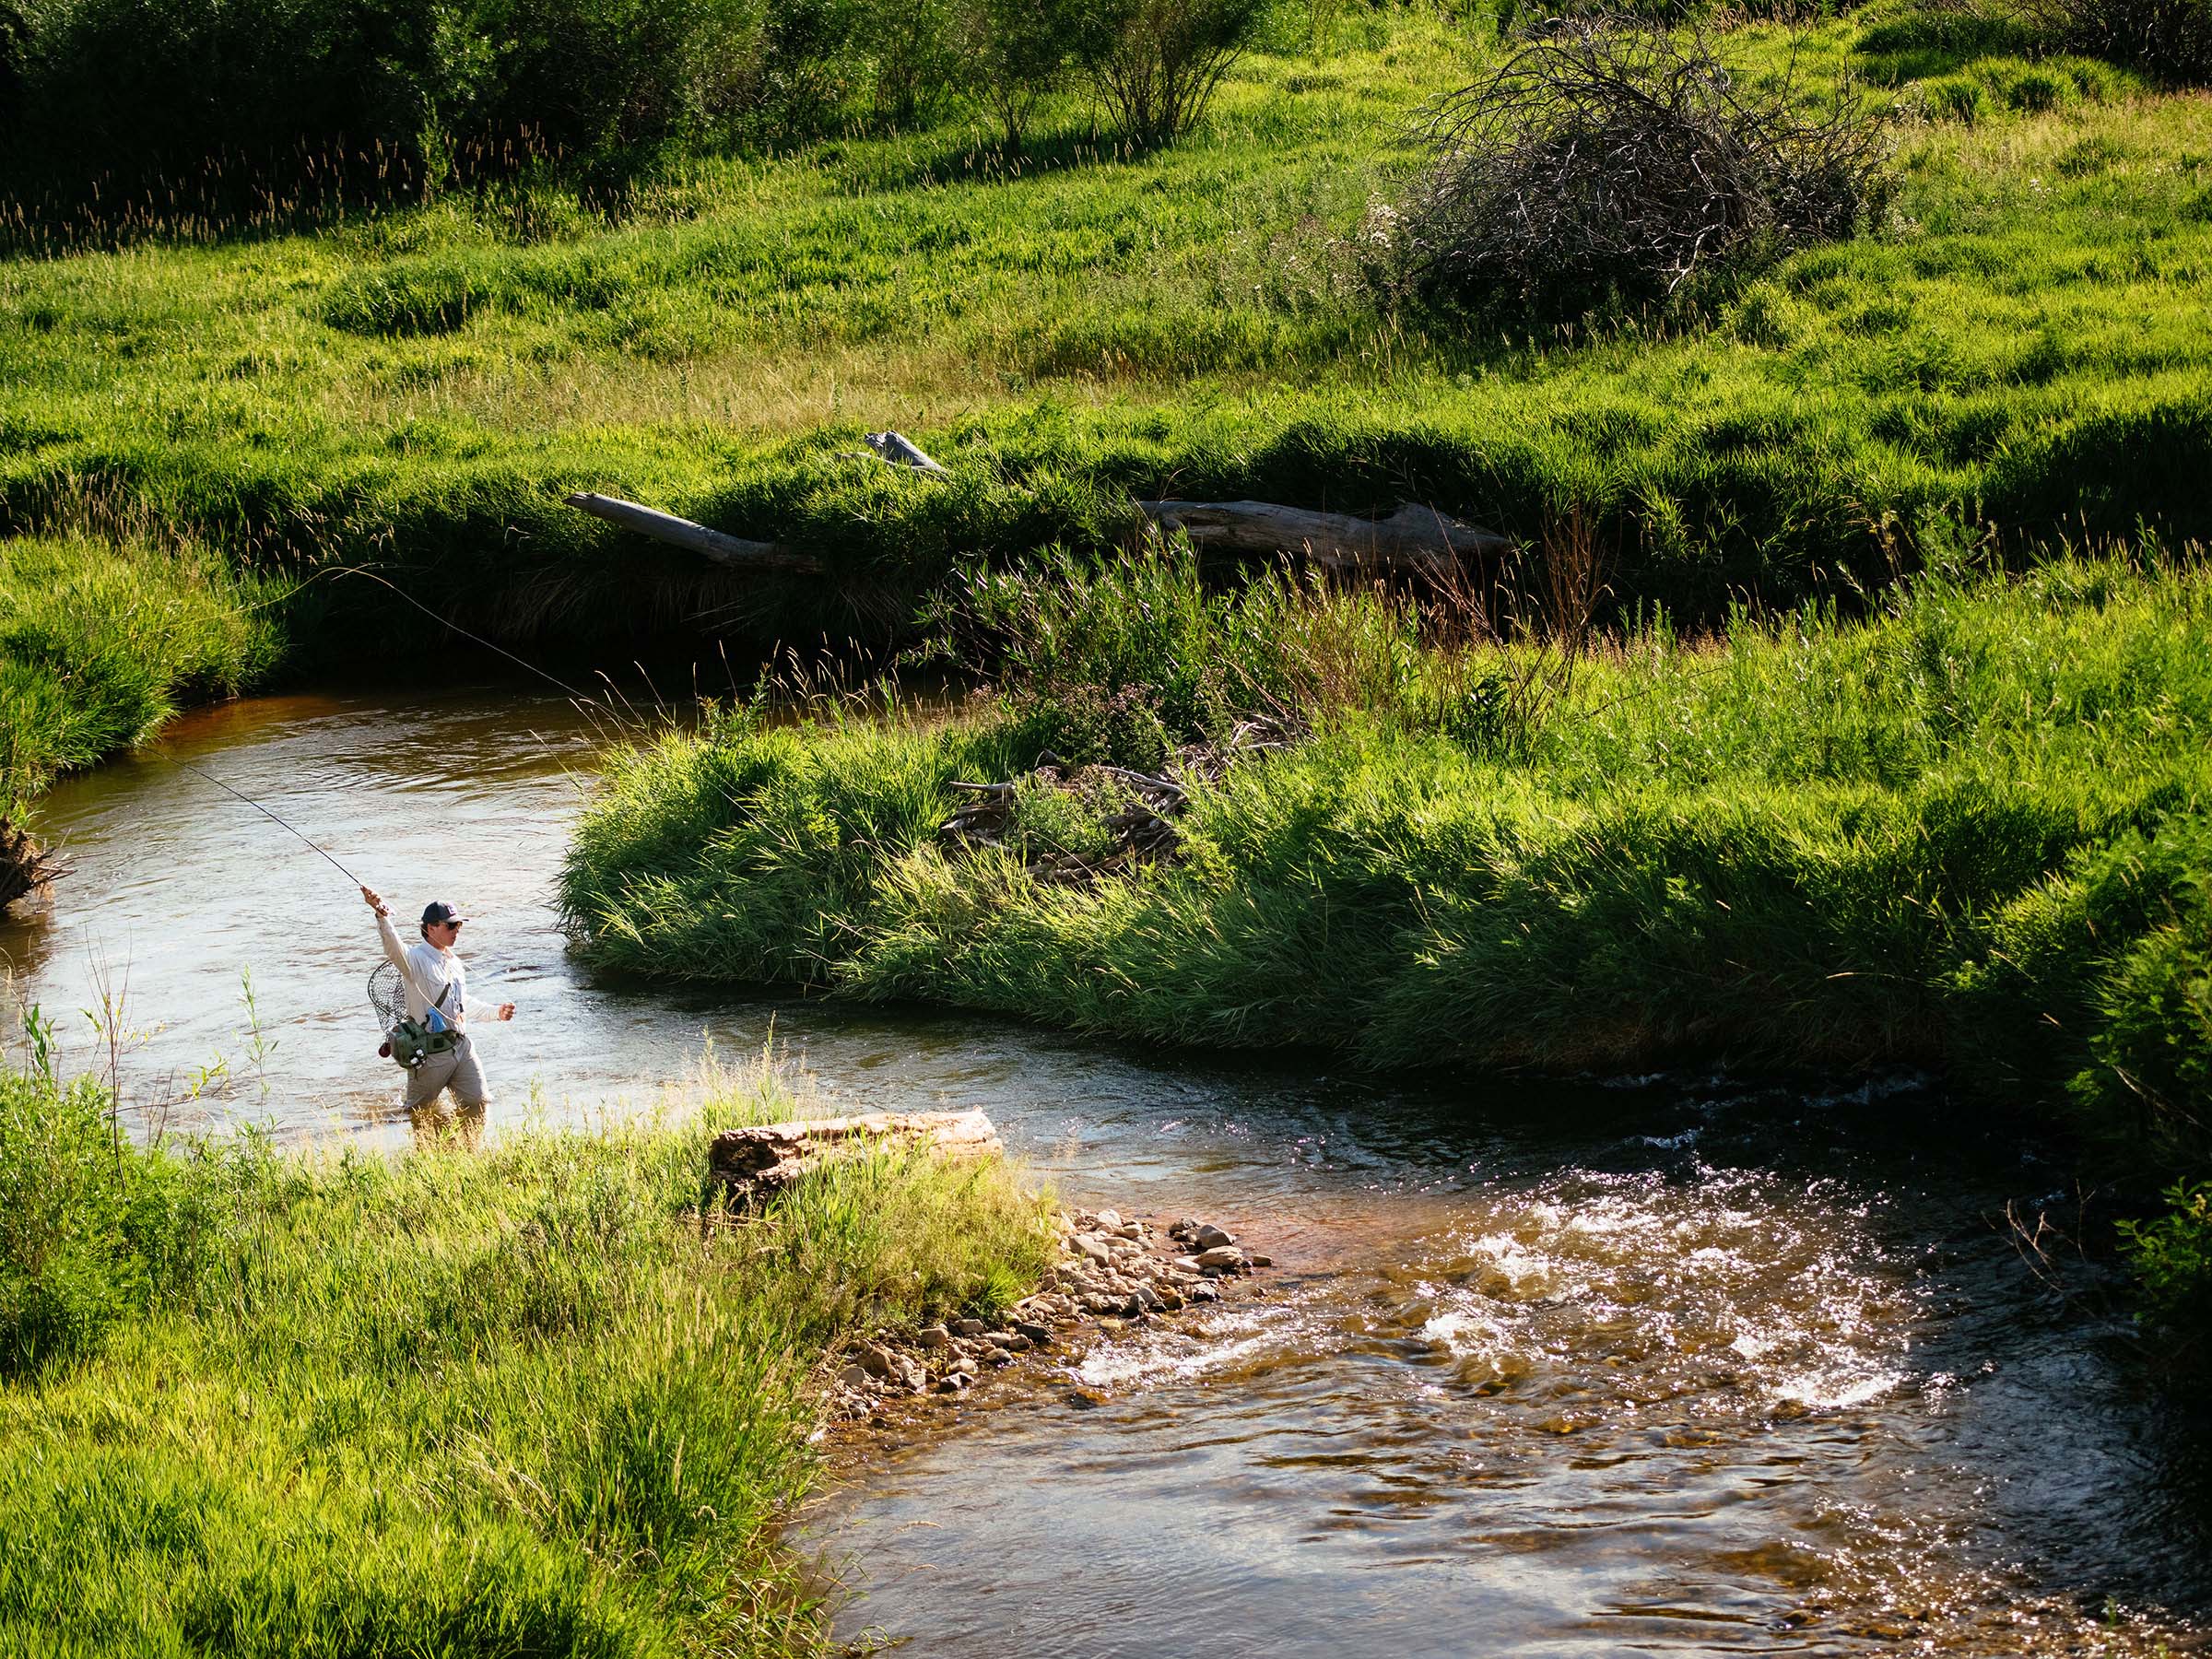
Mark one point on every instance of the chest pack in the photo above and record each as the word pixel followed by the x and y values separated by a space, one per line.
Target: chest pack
pixel 409 1042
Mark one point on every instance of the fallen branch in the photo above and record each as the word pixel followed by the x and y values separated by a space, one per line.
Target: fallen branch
pixel 1413 541
pixel 694 538
pixel 750 1164
pixel 900 450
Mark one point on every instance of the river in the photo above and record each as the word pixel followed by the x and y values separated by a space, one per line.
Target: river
pixel 1656 1364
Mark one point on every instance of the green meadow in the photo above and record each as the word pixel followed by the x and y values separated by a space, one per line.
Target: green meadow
pixel 1845 705
pixel 415 388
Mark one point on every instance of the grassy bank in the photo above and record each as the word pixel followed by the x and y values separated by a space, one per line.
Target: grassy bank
pixel 102 642
pixel 1969 832
pixel 417 388
pixel 509 1400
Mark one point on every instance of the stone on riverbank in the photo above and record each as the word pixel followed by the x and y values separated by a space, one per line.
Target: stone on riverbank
pixel 1115 1274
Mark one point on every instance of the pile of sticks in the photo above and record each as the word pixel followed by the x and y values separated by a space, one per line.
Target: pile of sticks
pixel 1142 824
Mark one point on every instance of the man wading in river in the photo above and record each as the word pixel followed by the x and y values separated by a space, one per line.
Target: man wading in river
pixel 437 991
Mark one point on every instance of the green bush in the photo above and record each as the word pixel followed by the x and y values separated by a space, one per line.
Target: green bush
pixel 2168 39
pixel 276 109
pixel 1017 50
pixel 2172 1255
pixel 1155 64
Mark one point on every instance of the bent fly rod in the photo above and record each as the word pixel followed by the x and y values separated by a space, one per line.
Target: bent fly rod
pixel 273 819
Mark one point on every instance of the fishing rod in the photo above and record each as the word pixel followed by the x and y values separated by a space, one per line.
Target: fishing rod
pixel 264 812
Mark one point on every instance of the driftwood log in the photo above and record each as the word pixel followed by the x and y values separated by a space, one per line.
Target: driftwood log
pixel 901 450
pixel 751 1164
pixel 1413 541
pixel 695 537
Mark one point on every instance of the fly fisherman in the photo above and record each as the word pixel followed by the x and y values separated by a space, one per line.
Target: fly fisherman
pixel 436 991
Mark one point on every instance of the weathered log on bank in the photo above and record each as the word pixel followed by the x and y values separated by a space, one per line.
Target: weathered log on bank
pixel 752 1163
pixel 695 537
pixel 1413 541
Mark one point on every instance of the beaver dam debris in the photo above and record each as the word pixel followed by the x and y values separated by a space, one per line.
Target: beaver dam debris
pixel 1135 811
pixel 1414 540
pixel 1113 1277
pixel 750 1164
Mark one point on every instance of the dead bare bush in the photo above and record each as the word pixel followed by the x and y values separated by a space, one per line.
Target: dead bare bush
pixel 1607 163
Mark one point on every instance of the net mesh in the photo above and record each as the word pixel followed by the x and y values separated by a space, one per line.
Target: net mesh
pixel 387 996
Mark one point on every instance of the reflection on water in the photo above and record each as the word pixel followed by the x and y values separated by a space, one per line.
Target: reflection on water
pixel 1541 1369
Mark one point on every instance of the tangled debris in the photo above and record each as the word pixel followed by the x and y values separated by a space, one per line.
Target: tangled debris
pixel 1113 1275
pixel 25 866
pixel 1133 812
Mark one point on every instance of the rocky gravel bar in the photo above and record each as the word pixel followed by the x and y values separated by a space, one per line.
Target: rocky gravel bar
pixel 1113 1275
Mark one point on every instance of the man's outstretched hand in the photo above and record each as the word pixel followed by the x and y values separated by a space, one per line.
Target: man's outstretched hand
pixel 374 903
pixel 506 1010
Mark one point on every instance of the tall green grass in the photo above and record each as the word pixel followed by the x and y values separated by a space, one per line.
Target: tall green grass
pixel 507 1401
pixel 1972 830
pixel 102 642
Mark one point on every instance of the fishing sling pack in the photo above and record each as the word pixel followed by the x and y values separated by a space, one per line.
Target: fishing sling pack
pixel 407 1041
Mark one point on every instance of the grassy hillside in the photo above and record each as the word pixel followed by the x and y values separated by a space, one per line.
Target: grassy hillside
pixel 416 388
pixel 509 1400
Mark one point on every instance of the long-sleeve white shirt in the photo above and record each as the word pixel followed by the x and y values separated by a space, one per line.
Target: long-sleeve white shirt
pixel 426 973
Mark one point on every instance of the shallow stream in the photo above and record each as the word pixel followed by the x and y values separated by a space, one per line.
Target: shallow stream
pixel 1668 1364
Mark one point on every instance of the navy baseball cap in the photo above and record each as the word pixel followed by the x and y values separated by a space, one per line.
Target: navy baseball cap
pixel 439 911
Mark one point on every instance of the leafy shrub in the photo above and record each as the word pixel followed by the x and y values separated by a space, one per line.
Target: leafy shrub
pixel 293 106
pixel 1015 53
pixel 2172 1257
pixel 1157 64
pixel 1602 162
pixel 2169 40
pixel 913 51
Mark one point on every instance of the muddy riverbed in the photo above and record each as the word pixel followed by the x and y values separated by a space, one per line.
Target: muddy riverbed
pixel 1669 1364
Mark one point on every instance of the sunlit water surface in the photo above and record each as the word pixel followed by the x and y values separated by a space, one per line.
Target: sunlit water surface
pixel 1681 1367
